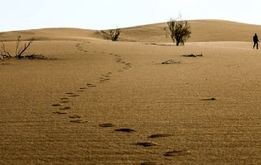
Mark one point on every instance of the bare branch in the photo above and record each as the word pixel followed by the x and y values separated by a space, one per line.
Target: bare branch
pixel 22 50
pixel 19 51
pixel 17 45
pixel 4 54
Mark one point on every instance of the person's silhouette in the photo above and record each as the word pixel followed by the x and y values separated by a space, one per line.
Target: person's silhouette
pixel 255 40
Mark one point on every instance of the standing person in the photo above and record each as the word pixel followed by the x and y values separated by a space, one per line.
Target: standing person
pixel 255 40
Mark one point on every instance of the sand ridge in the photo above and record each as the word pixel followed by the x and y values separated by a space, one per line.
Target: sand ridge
pixel 103 102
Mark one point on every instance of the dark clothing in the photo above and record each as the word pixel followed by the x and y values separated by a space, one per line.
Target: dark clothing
pixel 255 40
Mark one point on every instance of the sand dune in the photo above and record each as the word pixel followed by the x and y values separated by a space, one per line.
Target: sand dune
pixel 102 102
pixel 203 31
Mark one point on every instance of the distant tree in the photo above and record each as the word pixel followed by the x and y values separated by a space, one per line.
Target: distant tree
pixel 115 34
pixel 178 30
pixel 112 34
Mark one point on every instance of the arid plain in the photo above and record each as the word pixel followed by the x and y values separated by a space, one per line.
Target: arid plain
pixel 95 101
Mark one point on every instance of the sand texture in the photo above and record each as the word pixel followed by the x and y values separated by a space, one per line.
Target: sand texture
pixel 97 102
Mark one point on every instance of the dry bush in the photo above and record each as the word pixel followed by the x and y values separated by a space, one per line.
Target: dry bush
pixel 19 50
pixel 4 54
pixel 178 30
pixel 112 34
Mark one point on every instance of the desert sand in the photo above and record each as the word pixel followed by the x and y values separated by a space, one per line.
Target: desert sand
pixel 101 102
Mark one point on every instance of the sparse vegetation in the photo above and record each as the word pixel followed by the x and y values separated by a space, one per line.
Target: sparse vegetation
pixel 19 52
pixel 171 61
pixel 112 34
pixel 193 55
pixel 4 54
pixel 178 30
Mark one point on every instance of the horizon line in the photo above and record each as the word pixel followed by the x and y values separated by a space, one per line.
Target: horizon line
pixel 124 27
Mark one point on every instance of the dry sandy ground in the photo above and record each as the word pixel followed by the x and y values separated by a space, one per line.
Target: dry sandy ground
pixel 103 102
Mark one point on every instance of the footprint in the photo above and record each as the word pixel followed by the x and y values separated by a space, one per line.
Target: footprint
pixel 127 130
pixel 146 144
pixel 159 135
pixel 74 95
pixel 106 125
pixel 105 76
pixel 78 121
pixel 60 113
pixel 56 105
pixel 65 108
pixel 118 60
pixel 209 99
pixel 74 117
pixel 64 98
pixel 82 88
pixel 64 101
pixel 177 153
pixel 69 93
pixel 148 163
pixel 90 85
pixel 104 80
